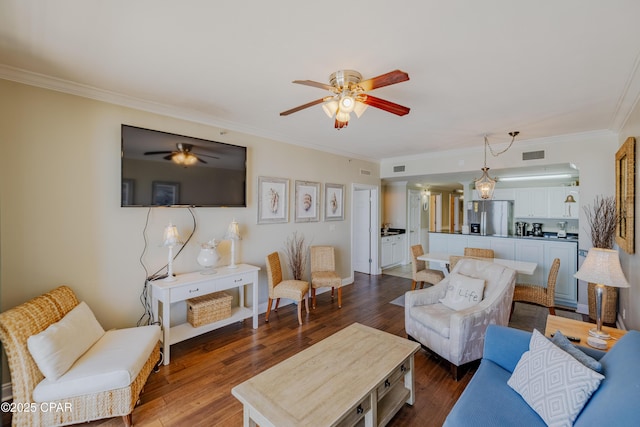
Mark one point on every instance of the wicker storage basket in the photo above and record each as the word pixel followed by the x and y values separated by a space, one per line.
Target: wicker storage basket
pixel 208 308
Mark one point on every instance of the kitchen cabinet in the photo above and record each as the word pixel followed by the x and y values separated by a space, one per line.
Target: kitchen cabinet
pixel 546 202
pixel 566 284
pixel 531 203
pixel 531 250
pixel 540 251
pixel 392 251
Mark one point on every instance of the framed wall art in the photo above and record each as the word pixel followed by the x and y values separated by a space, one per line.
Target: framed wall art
pixel 165 193
pixel 333 202
pixel 625 195
pixel 307 201
pixel 273 200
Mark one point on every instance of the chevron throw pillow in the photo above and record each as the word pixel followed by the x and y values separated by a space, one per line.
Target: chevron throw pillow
pixel 552 382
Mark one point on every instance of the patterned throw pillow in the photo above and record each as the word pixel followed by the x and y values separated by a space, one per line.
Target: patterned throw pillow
pixel 552 382
pixel 463 292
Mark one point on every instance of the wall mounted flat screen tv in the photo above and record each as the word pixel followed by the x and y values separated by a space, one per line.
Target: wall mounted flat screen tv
pixel 164 169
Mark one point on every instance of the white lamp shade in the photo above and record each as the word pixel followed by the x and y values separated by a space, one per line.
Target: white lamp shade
pixel 602 266
pixel 341 116
pixel 233 232
pixel 171 236
pixel 347 104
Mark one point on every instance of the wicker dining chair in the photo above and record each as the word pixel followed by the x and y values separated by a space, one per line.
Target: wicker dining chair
pixel 296 290
pixel 536 294
pixel 323 272
pixel 479 252
pixel 474 253
pixel 420 273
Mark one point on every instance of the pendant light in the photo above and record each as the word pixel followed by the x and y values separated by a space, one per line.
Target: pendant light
pixel 485 184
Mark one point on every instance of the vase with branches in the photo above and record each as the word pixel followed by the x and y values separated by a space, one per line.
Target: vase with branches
pixel 296 251
pixel 602 218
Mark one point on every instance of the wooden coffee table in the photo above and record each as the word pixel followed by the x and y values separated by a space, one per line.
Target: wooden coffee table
pixel 359 373
pixel 576 328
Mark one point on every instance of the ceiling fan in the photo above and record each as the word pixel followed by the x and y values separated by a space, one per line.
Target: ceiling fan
pixel 349 95
pixel 183 155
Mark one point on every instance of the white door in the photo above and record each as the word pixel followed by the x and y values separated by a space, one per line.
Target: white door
pixel 365 230
pixel 415 206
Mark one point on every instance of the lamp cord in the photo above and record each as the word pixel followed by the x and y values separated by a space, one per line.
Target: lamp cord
pixel 147 316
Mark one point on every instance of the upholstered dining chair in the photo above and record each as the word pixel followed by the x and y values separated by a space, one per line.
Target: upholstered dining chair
pixel 323 272
pixel 420 273
pixel 538 294
pixel 296 290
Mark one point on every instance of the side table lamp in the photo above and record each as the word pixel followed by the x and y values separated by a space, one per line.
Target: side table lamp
pixel 170 239
pixel 602 267
pixel 233 234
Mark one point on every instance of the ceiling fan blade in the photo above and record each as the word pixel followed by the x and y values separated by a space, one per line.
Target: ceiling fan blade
pixel 200 160
pixel 315 84
pixel 388 106
pixel 390 78
pixel 157 152
pixel 302 107
pixel 168 157
pixel 205 155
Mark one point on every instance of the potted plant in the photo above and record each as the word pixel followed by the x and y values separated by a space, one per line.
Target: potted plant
pixel 602 219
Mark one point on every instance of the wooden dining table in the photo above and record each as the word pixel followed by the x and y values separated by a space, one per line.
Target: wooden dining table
pixel 522 267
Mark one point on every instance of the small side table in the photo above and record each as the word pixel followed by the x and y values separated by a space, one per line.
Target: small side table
pixel 579 329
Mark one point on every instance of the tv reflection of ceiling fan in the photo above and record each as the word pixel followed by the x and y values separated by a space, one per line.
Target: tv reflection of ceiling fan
pixel 183 155
pixel 349 95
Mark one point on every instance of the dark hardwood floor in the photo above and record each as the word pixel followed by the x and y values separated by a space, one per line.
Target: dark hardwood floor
pixel 195 388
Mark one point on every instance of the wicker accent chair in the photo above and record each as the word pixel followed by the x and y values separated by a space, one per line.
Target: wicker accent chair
pixel 296 290
pixel 420 273
pixel 536 294
pixel 323 272
pixel 34 316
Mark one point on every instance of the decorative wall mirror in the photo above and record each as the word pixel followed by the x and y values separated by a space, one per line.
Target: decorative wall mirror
pixel 625 195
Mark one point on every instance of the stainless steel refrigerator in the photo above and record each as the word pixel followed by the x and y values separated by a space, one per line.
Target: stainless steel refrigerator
pixel 491 217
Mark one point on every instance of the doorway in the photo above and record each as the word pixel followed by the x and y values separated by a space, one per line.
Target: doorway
pixel 365 229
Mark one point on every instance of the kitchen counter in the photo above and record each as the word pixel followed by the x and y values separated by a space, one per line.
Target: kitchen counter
pixel 547 236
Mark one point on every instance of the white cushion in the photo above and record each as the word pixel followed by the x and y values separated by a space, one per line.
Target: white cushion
pixel 463 292
pixel 57 348
pixel 112 363
pixel 552 382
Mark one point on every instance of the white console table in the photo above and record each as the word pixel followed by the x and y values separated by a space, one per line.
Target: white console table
pixel 192 285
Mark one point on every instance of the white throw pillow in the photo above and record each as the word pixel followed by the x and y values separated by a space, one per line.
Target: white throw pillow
pixel 463 292
pixel 57 348
pixel 552 382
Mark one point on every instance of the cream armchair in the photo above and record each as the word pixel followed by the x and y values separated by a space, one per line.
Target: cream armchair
pixel 458 336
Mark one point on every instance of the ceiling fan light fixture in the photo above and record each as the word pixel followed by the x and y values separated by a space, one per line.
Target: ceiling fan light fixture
pixel 347 103
pixel 360 108
pixel 330 108
pixel 178 158
pixel 343 116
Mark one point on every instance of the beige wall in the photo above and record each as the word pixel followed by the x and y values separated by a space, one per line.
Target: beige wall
pixel 60 214
pixel 630 298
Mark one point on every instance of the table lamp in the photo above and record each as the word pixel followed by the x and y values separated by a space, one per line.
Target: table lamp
pixel 170 239
pixel 602 267
pixel 233 234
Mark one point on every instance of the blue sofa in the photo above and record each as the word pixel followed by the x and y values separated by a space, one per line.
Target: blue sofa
pixel 489 401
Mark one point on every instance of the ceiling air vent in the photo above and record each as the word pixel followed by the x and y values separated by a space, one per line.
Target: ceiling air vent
pixel 533 155
pixel 365 172
pixel 398 168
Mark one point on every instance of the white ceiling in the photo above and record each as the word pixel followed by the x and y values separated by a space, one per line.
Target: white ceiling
pixel 544 68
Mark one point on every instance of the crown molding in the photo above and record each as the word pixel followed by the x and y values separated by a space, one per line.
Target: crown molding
pixel 628 99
